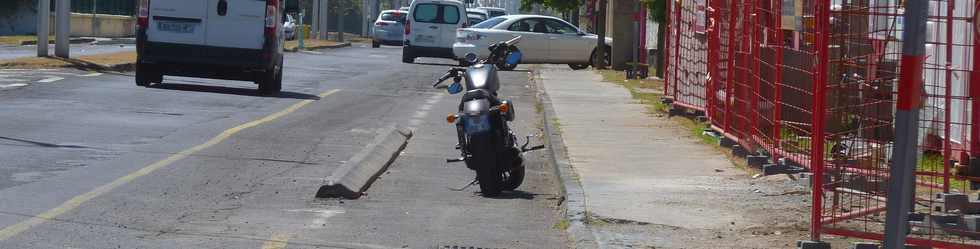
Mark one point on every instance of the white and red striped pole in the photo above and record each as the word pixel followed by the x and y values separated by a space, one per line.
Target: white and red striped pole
pixel 900 188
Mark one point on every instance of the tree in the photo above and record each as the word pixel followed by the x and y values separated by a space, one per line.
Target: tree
pixel 658 12
pixel 342 8
pixel 559 5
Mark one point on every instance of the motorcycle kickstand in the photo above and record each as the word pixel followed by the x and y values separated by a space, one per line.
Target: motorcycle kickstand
pixel 464 187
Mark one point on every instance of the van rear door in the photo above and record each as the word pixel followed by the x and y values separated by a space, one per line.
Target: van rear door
pixel 236 23
pixel 177 21
pixel 434 24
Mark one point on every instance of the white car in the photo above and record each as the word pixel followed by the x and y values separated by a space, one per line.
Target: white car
pixel 430 28
pixel 493 11
pixel 544 40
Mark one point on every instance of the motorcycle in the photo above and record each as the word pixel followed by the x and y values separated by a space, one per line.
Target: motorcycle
pixel 486 143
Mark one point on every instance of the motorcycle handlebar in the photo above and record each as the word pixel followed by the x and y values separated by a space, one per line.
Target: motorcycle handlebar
pixel 443 78
pixel 513 41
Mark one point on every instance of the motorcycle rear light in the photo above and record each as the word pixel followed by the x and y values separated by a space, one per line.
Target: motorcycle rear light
pixel 504 107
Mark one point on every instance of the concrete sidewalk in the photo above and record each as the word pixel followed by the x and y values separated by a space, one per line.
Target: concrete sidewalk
pixel 645 170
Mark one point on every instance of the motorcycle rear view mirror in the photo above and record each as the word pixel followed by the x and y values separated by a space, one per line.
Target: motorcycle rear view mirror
pixel 454 88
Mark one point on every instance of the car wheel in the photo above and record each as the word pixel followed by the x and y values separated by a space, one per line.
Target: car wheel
pixel 144 75
pixel 271 82
pixel 407 56
pixel 375 44
pixel 578 66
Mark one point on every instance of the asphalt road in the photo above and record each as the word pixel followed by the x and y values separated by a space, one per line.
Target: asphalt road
pixel 97 162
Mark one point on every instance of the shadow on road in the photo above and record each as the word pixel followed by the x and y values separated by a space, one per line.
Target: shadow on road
pixel 231 90
pixel 436 64
pixel 516 194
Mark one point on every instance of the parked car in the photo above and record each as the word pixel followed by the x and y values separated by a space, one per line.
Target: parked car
pixel 389 28
pixel 472 19
pixel 545 40
pixel 479 13
pixel 289 27
pixel 228 39
pixel 431 29
pixel 494 11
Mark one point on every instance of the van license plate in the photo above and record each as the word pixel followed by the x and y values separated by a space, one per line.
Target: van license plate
pixel 176 27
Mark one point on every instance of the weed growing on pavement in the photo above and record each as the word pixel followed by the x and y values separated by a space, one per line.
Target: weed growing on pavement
pixel 561 225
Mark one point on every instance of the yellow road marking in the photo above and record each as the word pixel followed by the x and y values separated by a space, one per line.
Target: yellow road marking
pixel 73 203
pixel 277 241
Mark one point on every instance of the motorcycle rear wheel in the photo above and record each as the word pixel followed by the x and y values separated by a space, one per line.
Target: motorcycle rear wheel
pixel 514 177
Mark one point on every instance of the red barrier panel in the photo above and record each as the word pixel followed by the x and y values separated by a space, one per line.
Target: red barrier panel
pixel 813 84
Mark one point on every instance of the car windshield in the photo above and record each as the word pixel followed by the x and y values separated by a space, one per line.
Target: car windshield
pixel 393 16
pixel 489 23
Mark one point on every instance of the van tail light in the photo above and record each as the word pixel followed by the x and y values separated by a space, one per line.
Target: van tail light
pixel 408 27
pixel 271 17
pixel 143 17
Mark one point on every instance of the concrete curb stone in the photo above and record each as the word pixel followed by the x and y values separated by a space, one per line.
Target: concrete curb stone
pixel 341 45
pixel 354 177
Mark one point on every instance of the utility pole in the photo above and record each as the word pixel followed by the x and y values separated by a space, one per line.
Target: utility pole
pixel 95 27
pixel 340 21
pixel 900 187
pixel 314 19
pixel 62 28
pixel 600 56
pixel 324 21
pixel 43 24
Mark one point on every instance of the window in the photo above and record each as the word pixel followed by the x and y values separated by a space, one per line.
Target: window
pixel 426 13
pixel 490 23
pixel 560 27
pixel 450 14
pixel 393 16
pixel 436 13
pixel 530 25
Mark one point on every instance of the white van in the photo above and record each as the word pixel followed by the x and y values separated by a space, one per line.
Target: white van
pixel 430 30
pixel 224 39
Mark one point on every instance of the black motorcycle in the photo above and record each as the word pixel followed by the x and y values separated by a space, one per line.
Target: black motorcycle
pixel 486 142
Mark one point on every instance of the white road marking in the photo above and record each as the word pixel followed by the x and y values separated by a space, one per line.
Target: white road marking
pixel 13 85
pixel 377 56
pixel 92 75
pixel 12 80
pixel 51 79
pixel 310 52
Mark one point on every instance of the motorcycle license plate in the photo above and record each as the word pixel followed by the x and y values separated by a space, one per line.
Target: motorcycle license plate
pixel 476 124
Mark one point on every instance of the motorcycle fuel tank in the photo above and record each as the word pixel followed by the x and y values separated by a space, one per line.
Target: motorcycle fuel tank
pixel 482 76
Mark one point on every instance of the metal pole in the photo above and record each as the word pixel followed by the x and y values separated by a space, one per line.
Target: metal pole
pixel 43 26
pixel 94 18
pixel 819 113
pixel 909 101
pixel 601 52
pixel 636 39
pixel 324 19
pixel 315 19
pixel 62 28
pixel 299 36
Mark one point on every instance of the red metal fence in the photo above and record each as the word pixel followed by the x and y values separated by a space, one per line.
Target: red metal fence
pixel 813 83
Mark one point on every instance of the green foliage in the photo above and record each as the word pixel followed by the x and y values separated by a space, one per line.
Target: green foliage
pixel 347 6
pixel 657 9
pixel 559 5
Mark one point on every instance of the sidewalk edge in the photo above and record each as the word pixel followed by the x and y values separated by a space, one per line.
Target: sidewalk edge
pixel 573 206
pixel 340 45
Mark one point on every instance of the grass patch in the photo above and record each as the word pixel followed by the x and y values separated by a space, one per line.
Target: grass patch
pixel 85 61
pixel 561 225
pixel 649 92
pixel 309 44
pixel 933 162
pixel 18 39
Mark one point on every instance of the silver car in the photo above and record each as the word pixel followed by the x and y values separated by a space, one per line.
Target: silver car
pixel 389 28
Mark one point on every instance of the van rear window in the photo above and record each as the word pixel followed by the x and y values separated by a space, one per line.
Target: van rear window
pixel 436 13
